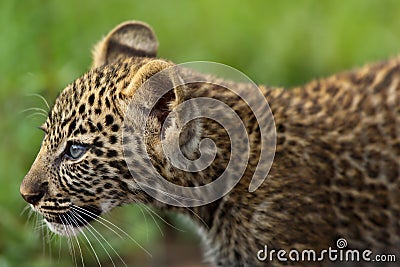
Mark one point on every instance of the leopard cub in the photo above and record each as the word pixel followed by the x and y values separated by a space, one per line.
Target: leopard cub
pixel 335 173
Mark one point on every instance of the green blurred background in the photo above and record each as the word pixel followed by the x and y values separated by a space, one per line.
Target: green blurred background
pixel 44 45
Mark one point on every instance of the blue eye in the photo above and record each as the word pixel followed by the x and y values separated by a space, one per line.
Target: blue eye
pixel 75 151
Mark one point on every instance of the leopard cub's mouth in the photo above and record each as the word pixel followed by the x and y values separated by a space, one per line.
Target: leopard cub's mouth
pixel 70 222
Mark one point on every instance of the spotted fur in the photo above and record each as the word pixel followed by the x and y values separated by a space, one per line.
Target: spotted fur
pixel 335 173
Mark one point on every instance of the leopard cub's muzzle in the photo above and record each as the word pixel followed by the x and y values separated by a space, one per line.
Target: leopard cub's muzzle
pixel 60 214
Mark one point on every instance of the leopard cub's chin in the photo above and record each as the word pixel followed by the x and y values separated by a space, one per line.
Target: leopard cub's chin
pixel 63 229
pixel 71 221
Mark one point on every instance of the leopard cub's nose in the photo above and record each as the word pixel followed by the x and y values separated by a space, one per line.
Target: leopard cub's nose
pixel 33 193
pixel 32 198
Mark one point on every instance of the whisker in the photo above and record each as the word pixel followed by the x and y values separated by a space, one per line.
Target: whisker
pixel 75 236
pixel 39 224
pixel 170 196
pixel 145 219
pixel 48 241
pixel 36 114
pixel 69 232
pixel 27 207
pixel 43 240
pixel 39 227
pixel 95 125
pixel 151 215
pixel 73 217
pixel 42 111
pixel 30 214
pixel 87 239
pixel 41 97
pixel 52 236
pixel 162 219
pixel 59 249
pixel 82 220
pixel 100 220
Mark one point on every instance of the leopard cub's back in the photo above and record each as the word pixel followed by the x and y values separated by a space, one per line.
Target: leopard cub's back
pixel 345 131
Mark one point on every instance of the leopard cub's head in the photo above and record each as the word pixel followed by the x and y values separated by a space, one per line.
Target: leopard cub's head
pixel 80 171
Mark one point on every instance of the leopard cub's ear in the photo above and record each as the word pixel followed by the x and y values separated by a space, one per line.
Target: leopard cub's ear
pixel 129 39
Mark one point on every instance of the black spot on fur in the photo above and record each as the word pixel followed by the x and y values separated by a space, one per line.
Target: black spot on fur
pixel 82 109
pixel 93 129
pixel 113 139
pixel 102 91
pixel 98 81
pixel 280 128
pixel 98 152
pixel 109 119
pixel 97 142
pixel 99 126
pixel 82 130
pixel 115 128
pixel 91 99
pixel 108 104
pixel 112 153
pixel 71 127
pixel 85 166
pixel 115 164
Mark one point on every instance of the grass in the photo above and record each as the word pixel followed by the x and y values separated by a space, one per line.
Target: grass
pixel 46 44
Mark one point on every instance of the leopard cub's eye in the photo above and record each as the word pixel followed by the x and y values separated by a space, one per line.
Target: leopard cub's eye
pixel 75 151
